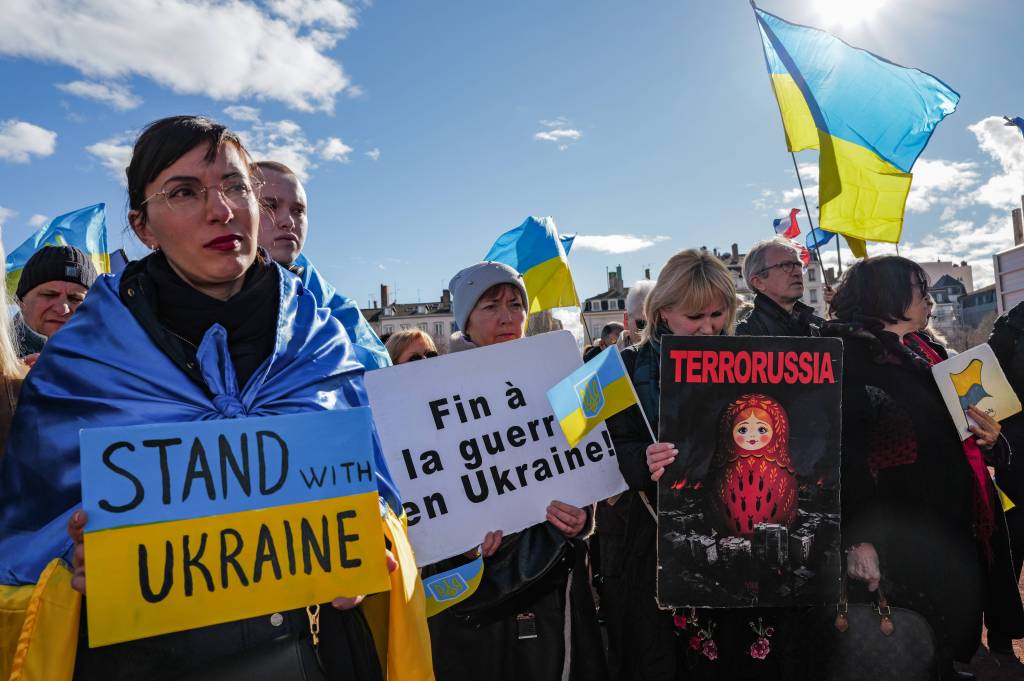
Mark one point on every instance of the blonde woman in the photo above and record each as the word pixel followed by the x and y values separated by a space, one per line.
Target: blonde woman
pixel 12 370
pixel 694 296
pixel 410 345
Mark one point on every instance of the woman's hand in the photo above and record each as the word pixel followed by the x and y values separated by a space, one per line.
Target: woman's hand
pixel 76 530
pixel 660 455
pixel 986 432
pixel 567 518
pixel 346 603
pixel 862 565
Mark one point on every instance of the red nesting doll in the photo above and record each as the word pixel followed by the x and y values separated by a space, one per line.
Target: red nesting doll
pixel 751 479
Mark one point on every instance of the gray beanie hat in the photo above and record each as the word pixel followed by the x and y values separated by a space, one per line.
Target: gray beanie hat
pixel 468 285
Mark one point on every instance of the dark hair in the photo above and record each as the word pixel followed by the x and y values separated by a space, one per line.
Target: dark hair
pixel 609 329
pixel 165 141
pixel 275 166
pixel 877 290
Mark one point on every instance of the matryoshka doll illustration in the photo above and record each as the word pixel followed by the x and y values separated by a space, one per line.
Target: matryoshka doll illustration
pixel 751 479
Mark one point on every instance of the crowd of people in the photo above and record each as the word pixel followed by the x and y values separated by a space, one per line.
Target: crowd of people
pixel 225 318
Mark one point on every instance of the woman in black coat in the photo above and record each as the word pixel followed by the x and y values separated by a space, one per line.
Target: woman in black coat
pixel 919 509
pixel 694 296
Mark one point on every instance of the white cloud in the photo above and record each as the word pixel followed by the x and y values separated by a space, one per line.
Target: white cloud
pixel 333 149
pixel 19 141
pixel 286 142
pixel 355 91
pixel 329 13
pixel 37 221
pixel 6 214
pixel 615 243
pixel 558 134
pixel 374 154
pixel 1003 144
pixel 118 96
pixel 954 241
pixel 243 113
pixel 940 182
pixel 115 154
pixel 223 49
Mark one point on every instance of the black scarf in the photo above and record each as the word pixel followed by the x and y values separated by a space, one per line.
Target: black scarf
pixel 249 316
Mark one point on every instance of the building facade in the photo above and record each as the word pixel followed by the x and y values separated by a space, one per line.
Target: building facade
pixel 435 318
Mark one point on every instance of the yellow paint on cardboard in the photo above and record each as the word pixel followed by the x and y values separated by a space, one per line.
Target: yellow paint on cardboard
pixel 118 611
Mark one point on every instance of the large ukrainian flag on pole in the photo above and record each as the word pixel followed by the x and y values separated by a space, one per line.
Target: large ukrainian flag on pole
pixel 593 393
pixel 535 250
pixel 85 228
pixel 869 118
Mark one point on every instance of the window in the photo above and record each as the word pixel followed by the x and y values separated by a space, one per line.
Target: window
pixel 405 327
pixel 812 274
pixel 604 304
pixel 455 327
pixel 438 329
pixel 622 304
pixel 814 295
pixel 388 329
pixel 422 326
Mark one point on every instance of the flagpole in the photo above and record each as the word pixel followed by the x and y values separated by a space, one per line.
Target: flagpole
pixel 817 250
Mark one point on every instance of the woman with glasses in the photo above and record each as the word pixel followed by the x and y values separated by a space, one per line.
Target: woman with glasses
pixel 920 514
pixel 410 345
pixel 205 327
pixel 544 628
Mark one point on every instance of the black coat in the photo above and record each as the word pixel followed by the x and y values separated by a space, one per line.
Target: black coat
pixel 908 488
pixel 648 646
pixel 769 319
pixel 493 644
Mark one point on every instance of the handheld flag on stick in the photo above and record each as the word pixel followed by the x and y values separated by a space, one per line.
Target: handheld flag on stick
pixel 869 118
pixel 593 393
pixel 445 589
pixel 535 250
pixel 567 242
pixel 1018 121
pixel 85 229
pixel 787 227
pixel 818 237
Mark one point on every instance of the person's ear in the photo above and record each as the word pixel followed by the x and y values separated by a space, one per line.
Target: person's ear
pixel 139 225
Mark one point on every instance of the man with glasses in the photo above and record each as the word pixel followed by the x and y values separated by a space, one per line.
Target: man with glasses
pixel 772 269
pixel 283 228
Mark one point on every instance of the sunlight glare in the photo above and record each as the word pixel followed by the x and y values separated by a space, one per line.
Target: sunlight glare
pixel 847 13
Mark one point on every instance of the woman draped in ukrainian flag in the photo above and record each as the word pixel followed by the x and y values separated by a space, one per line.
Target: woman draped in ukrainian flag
pixel 205 327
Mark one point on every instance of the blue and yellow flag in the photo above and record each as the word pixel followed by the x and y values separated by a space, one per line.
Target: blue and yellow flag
pixel 445 589
pixel 596 391
pixel 85 228
pixel 535 250
pixel 869 118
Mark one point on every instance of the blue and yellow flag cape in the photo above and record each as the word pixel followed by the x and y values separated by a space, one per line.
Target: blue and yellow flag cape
pixel 103 370
pixel 593 393
pixel 869 118
pixel 535 250
pixel 85 228
pixel 370 352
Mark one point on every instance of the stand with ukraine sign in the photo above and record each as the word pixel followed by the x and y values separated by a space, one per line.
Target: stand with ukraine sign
pixel 198 523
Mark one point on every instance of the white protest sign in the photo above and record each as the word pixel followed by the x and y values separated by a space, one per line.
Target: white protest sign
pixel 473 444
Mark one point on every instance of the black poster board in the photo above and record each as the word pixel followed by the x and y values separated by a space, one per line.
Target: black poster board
pixel 748 513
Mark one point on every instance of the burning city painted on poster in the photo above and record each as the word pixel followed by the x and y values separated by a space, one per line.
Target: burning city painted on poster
pixel 749 512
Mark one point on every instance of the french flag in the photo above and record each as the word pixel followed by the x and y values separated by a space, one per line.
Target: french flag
pixel 787 228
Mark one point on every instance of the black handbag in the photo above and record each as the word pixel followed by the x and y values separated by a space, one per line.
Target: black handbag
pixel 873 642
pixel 525 564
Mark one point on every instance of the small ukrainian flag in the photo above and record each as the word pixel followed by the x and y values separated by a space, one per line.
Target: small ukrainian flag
pixel 445 589
pixel 593 393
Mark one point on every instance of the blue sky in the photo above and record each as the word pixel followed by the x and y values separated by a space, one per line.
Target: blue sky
pixel 426 129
